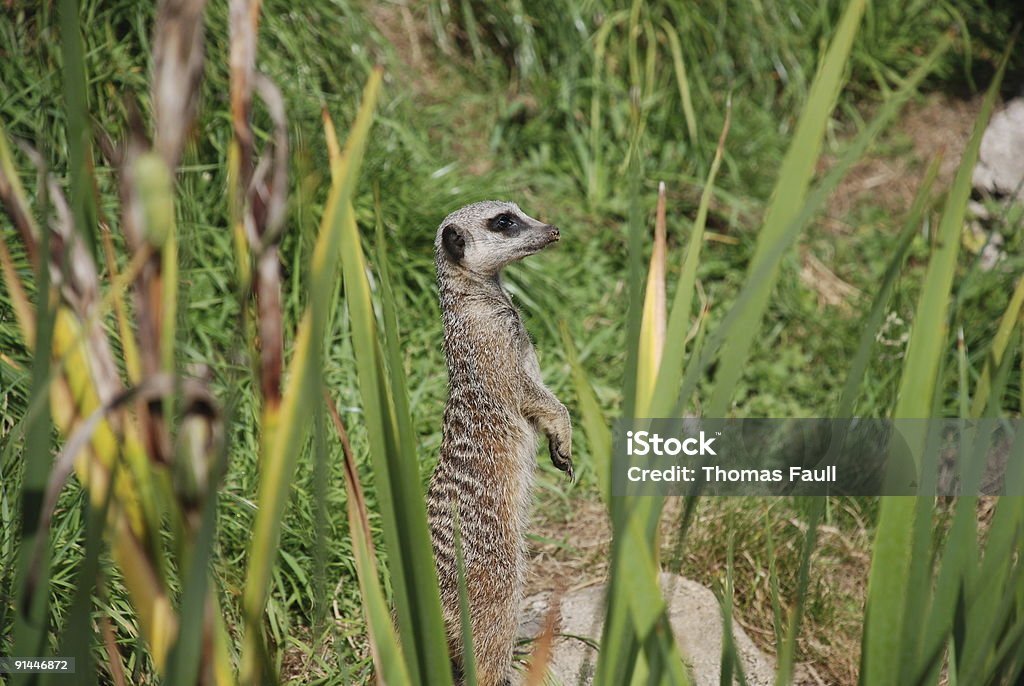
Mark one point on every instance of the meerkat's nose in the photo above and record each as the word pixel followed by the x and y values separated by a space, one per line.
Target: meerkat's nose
pixel 553 232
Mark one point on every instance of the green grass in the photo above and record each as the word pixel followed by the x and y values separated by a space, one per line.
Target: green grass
pixel 507 111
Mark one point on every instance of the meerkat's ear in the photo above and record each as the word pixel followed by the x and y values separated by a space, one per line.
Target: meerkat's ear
pixel 453 242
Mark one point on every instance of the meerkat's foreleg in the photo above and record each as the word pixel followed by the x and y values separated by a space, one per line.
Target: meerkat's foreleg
pixel 550 416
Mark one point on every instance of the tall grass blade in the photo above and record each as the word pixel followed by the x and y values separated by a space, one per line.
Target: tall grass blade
pixel 31 615
pixel 760 276
pixel 77 632
pixel 670 371
pixel 384 647
pixel 729 660
pixel 406 535
pixel 786 660
pixel 79 129
pixel 682 81
pixel 928 334
pixel 413 574
pixel 888 585
pixel 876 315
pixel 393 347
pixel 595 427
pixel 635 283
pixel 16 291
pixel 652 323
pixel 289 426
pixel 1011 316
pixel 787 199
pixel 185 657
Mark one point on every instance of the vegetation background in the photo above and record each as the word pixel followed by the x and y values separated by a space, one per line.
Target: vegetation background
pixel 576 110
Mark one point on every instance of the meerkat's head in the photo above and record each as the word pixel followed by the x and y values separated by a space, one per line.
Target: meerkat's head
pixel 484 237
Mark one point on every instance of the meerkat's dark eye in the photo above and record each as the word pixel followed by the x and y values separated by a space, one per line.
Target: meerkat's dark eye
pixel 503 222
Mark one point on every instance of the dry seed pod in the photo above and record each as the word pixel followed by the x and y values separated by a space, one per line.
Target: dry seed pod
pixel 155 188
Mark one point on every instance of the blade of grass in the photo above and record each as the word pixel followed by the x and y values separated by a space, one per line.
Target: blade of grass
pixel 652 323
pixel 1008 321
pixel 384 647
pixel 392 343
pixel 78 138
pixel 759 277
pixel 888 584
pixel 392 453
pixel 595 428
pixel 789 195
pixel 887 285
pixel 682 81
pixel 671 370
pixel 198 619
pixel 31 616
pixel 928 334
pixel 413 573
pixel 287 427
pixel 784 673
pixel 77 632
pixel 18 297
pixel 15 200
pixel 127 337
pixel 728 658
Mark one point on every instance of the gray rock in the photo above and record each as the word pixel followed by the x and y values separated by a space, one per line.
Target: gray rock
pixel 696 621
pixel 1000 167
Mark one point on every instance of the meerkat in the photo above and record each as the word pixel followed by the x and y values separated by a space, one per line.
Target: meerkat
pixel 497 405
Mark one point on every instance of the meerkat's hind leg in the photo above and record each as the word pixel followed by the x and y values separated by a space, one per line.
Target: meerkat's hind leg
pixel 494 615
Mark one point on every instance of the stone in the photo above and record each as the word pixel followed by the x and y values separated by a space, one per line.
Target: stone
pixel 1000 168
pixel 695 616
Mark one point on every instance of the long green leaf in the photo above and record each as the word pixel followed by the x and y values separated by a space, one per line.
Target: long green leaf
pixel 761 275
pixel 788 197
pixel 594 425
pixel 671 370
pixel 887 586
pixel 1008 321
pixel 31 616
pixel 79 128
pixel 387 654
pixel 784 675
pixel 406 535
pixel 400 496
pixel 284 434
pixel 928 334
pixel 872 323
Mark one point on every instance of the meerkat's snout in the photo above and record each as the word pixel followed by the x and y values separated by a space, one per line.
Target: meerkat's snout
pixel 546 234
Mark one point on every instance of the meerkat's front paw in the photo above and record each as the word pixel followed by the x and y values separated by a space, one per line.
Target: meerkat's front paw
pixel 561 457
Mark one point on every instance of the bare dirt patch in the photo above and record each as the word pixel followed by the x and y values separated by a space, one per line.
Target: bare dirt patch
pixel 436 84
pixel 889 180
pixel 575 551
